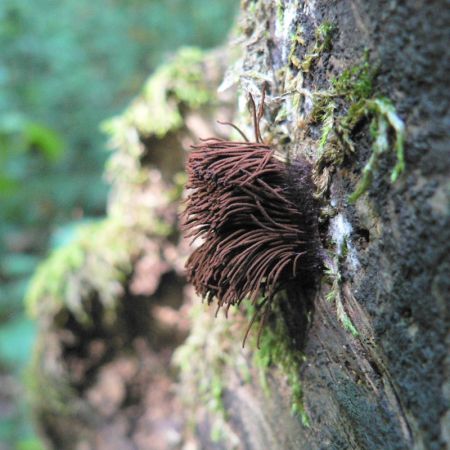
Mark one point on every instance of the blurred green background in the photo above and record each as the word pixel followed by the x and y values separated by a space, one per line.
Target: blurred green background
pixel 66 65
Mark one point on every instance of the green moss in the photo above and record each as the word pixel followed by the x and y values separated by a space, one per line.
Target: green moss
pixel 97 260
pixel 280 11
pixel 333 277
pixel 345 319
pixel 384 118
pixel 213 339
pixel 354 86
pixel 327 119
pixel 276 350
pixel 323 35
pixel 354 90
pixel 252 7
pixel 296 40
pixel 355 83
pixel 96 264
pixel 323 40
pixel 158 109
pixel 216 340
pixel 48 393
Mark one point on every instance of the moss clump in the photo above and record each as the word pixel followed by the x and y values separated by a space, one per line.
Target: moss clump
pixel 384 118
pixel 296 40
pixel 355 83
pixel 97 260
pixel 215 339
pixel 352 91
pixel 323 40
pixel 158 109
pixel 276 351
pixel 280 11
pixel 94 266
pixel 146 134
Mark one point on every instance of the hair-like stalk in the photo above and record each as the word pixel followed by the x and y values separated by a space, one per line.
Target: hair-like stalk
pixel 256 229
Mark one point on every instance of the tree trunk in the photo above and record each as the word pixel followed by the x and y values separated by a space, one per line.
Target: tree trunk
pixel 375 373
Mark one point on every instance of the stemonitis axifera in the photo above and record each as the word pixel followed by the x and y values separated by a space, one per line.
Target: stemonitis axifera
pixel 255 217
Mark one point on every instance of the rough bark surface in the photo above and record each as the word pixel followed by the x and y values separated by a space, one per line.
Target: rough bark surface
pixel 388 386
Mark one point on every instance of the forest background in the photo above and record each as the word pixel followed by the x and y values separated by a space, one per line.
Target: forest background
pixel 65 67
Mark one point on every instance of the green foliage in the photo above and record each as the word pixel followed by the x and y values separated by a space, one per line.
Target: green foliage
pixel 104 51
pixel 30 444
pixel 45 139
pixel 16 339
pixel 24 144
pixel 65 67
pixel 20 331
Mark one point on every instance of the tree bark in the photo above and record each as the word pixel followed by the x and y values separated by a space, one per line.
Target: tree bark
pixel 386 384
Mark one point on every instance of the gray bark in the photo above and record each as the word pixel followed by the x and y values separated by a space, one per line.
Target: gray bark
pixel 388 387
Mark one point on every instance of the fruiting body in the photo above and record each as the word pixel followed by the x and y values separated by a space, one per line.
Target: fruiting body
pixel 254 238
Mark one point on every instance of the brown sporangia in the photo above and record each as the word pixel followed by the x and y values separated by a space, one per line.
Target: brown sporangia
pixel 255 226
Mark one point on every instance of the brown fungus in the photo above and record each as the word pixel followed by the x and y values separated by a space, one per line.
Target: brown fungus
pixel 255 218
